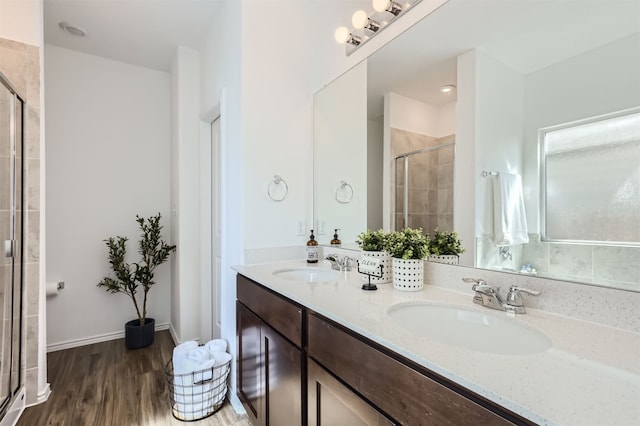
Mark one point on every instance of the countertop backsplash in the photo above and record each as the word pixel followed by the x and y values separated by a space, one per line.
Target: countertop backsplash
pixel 612 307
pixel 607 306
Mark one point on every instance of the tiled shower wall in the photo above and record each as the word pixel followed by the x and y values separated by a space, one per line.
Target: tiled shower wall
pixel 20 63
pixel 430 184
pixel 604 265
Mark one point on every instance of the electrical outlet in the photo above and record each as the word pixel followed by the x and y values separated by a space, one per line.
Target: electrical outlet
pixel 300 227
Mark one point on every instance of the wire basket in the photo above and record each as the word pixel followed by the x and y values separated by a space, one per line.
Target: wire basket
pixel 197 395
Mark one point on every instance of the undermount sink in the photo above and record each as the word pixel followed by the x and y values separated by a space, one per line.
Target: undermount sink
pixel 489 331
pixel 308 275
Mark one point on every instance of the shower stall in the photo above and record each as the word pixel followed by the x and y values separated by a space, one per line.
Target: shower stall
pixel 424 189
pixel 11 238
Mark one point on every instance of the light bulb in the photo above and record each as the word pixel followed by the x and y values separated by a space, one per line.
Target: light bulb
pixel 359 19
pixel 342 35
pixel 381 5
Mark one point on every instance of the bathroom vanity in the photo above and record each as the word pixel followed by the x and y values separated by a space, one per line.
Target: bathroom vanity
pixel 326 352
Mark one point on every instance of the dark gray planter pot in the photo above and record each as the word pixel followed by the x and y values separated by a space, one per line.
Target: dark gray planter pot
pixel 138 336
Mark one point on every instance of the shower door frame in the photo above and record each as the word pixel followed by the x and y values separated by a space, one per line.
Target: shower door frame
pixel 405 188
pixel 16 135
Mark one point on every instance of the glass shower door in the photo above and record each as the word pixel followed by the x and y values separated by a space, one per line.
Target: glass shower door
pixel 424 189
pixel 11 137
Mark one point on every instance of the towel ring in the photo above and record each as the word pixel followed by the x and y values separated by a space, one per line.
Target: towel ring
pixel 344 193
pixel 273 185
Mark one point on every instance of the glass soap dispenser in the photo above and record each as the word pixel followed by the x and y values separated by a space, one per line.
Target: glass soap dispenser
pixel 312 249
pixel 336 241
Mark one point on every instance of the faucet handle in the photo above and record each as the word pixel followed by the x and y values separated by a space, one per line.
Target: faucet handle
pixel 514 298
pixel 515 288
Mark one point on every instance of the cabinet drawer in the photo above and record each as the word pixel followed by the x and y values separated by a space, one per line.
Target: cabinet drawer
pixel 406 395
pixel 282 315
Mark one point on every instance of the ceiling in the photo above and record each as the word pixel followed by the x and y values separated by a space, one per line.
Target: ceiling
pixel 138 32
pixel 525 35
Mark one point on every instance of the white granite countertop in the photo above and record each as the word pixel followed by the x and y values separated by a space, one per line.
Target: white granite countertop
pixel 589 376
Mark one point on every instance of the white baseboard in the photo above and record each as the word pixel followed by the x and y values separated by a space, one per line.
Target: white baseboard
pixel 96 339
pixel 42 396
pixel 236 404
pixel 174 335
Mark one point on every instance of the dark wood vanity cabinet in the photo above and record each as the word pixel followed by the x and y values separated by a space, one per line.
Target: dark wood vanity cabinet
pixel 333 403
pixel 402 392
pixel 270 358
pixel 297 367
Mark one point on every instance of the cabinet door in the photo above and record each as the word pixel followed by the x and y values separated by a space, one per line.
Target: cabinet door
pixel 333 404
pixel 282 363
pixel 250 381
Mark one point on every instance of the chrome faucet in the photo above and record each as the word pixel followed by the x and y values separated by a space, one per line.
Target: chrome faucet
pixel 338 264
pixel 490 297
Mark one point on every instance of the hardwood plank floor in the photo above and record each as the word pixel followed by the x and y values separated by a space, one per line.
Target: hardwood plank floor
pixel 105 384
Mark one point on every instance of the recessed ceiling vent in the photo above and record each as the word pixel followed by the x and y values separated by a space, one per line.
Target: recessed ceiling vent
pixel 72 29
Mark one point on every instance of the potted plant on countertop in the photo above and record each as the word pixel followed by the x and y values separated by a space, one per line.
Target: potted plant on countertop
pixel 130 278
pixel 445 247
pixel 408 249
pixel 372 244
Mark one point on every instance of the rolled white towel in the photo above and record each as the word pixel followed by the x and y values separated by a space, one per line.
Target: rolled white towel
pixel 180 353
pixel 216 345
pixel 193 392
pixel 194 359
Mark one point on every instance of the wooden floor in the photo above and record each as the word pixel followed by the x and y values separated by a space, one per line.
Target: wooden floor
pixel 106 384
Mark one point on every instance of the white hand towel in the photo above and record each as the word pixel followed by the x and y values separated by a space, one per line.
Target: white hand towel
pixel 219 379
pixel 180 353
pixel 193 392
pixel 194 359
pixel 510 221
pixel 216 345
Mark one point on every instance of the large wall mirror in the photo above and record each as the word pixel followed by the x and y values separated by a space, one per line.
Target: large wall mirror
pixel 540 132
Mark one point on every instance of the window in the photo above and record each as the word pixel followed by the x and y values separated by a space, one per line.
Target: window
pixel 590 174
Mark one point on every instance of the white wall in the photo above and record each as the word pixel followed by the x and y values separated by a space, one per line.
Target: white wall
pixel 499 130
pixel 21 20
pixel 220 59
pixel 108 159
pixel 277 114
pixel 185 193
pixel 375 162
pixel 340 131
pixel 464 167
pixel 601 81
pixel 422 118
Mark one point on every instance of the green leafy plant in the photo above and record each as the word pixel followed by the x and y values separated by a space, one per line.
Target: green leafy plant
pixel 445 243
pixel 130 277
pixel 408 244
pixel 372 240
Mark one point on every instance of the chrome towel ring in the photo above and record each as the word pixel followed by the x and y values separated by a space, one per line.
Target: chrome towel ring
pixel 278 189
pixel 344 192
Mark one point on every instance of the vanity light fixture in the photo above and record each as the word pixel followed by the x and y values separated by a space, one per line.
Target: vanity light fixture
pixel 387 6
pixel 366 26
pixel 72 29
pixel 344 36
pixel 360 21
pixel 449 88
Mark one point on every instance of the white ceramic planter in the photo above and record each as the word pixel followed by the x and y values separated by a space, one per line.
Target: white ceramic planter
pixel 408 275
pixel 385 261
pixel 450 259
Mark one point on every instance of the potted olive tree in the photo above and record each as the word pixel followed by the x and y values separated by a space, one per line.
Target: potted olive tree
pixel 408 249
pixel 445 247
pixel 372 244
pixel 133 278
